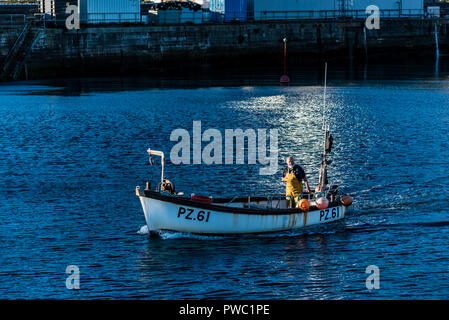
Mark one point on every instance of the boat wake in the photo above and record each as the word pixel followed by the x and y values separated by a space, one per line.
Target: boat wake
pixel 332 228
pixel 336 227
pixel 366 227
pixel 168 235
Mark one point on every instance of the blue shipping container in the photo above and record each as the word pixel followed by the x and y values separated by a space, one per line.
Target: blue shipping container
pixel 228 10
pixel 235 10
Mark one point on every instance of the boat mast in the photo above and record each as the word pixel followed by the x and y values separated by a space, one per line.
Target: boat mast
pixel 327 139
pixel 324 96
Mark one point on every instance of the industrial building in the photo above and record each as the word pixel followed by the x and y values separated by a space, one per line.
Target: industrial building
pixel 243 10
pixel 94 11
pixel 19 8
pixel 109 11
pixel 442 7
pixel 54 9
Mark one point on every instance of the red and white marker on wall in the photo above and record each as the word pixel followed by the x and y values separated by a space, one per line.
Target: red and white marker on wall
pixel 285 80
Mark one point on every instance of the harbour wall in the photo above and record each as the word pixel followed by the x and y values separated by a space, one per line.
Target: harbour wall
pixel 150 49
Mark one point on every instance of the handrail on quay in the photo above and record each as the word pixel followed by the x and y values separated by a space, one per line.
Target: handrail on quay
pixel 175 17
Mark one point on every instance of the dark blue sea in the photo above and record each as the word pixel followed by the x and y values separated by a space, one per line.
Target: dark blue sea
pixel 73 151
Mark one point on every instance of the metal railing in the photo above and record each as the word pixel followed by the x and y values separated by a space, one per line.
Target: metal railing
pixel 13 51
pixel 106 18
pixel 91 19
pixel 334 14
pixel 273 201
pixel 17 42
pixel 163 17
pixel 180 16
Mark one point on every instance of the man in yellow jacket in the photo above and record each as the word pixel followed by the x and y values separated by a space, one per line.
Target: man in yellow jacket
pixel 294 175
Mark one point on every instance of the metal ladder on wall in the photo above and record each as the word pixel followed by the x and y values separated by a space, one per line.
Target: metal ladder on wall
pixel 13 63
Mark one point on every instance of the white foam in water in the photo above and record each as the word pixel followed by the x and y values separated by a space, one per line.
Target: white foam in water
pixel 166 235
pixel 143 230
pixel 169 235
pixel 310 230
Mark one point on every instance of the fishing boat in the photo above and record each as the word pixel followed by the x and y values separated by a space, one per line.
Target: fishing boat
pixel 165 209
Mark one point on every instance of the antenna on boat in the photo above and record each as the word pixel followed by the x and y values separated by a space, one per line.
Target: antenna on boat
pixel 324 96
pixel 327 140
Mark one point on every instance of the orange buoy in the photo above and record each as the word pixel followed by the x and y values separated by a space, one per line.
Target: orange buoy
pixel 304 205
pixel 322 203
pixel 346 200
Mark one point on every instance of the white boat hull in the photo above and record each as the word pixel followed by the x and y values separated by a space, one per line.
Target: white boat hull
pixel 165 215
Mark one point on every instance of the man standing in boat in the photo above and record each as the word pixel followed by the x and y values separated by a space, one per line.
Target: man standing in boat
pixel 294 175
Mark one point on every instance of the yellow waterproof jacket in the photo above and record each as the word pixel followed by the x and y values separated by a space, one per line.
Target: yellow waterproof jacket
pixel 293 178
pixel 294 186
